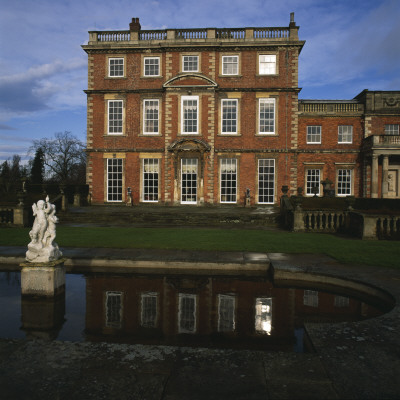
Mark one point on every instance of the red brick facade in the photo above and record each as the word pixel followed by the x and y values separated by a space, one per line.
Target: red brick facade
pixel 212 116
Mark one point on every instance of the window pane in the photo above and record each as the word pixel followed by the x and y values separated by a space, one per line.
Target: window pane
pixel 230 65
pixel 115 108
pixel 114 179
pixel 266 181
pixel 345 133
pixel 344 182
pixel 151 108
pixel 113 309
pixel 263 315
pixel 189 110
pixel 228 180
pixel 187 313
pixel 267 116
pixel 341 301
pixel 189 180
pixel 149 310
pixel 310 298
pixel 152 66
pixel 313 134
pixel 226 313
pixel 392 129
pixel 150 179
pixel 267 64
pixel 116 67
pixel 313 182
pixel 229 116
pixel 190 63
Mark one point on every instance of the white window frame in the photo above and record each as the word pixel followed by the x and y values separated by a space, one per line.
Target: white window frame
pixel 345 134
pixel 111 310
pixel 344 182
pixel 234 120
pixel 115 116
pixel 233 175
pixel 115 180
pixel 392 129
pixel 148 319
pixel 110 60
pixel 314 134
pixel 261 190
pixel 146 180
pixel 310 174
pixel 188 315
pixel 229 63
pixel 187 61
pixel 263 315
pixel 147 102
pixel 183 119
pixel 226 313
pixel 145 72
pixel 267 64
pixel 262 116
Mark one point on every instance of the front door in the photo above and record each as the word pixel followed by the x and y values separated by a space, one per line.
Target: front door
pixel 189 168
pixel 393 181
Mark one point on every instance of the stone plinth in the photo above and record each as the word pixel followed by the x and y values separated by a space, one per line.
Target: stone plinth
pixel 43 279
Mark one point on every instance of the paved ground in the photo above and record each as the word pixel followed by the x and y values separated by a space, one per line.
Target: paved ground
pixel 358 360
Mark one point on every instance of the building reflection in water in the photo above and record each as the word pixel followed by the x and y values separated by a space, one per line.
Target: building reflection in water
pixel 210 311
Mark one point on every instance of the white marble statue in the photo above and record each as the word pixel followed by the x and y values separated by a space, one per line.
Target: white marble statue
pixel 42 247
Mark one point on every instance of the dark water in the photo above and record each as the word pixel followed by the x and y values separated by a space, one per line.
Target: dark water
pixel 188 310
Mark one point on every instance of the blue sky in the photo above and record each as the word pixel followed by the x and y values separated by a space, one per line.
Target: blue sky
pixel 351 45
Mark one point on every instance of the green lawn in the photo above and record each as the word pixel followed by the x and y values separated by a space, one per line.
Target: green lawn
pixel 379 253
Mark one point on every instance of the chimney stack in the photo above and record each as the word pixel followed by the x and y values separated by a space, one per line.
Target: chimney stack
pixel 134 26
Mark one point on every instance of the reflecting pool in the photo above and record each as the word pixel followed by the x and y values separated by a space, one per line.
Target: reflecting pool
pixel 187 310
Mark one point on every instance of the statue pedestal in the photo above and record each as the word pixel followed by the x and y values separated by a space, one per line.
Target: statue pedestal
pixel 43 279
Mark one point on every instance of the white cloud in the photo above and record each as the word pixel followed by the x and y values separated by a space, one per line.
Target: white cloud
pixel 36 89
pixel 349 48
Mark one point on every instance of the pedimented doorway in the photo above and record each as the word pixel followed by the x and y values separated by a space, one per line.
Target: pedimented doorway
pixel 189 160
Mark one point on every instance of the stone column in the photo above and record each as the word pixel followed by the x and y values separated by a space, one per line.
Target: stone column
pixel 385 168
pixel 374 176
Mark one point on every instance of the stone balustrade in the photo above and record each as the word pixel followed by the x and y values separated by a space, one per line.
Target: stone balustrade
pixel 380 226
pixel 386 140
pixel 110 36
pixel 206 34
pixel 324 221
pixel 356 223
pixel 330 106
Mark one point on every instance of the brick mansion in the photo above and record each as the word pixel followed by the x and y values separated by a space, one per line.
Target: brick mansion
pixel 212 116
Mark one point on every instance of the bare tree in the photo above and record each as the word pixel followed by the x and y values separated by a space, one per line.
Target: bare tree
pixel 64 157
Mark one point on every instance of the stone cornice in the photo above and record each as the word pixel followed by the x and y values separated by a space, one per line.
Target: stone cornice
pixel 217 89
pixel 161 47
